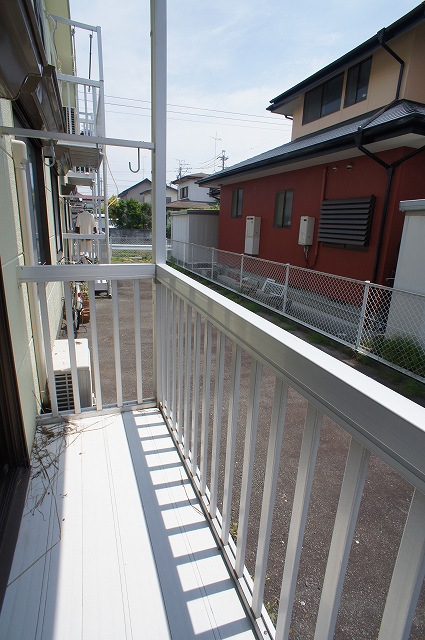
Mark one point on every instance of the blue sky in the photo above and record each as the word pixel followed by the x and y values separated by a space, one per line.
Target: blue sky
pixel 226 61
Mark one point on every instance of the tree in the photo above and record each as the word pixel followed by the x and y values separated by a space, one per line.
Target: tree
pixel 130 214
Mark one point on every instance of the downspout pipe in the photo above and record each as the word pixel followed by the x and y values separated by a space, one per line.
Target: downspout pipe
pixel 20 160
pixel 389 168
pixel 381 40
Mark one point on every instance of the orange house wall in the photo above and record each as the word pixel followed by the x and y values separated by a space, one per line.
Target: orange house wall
pixel 310 186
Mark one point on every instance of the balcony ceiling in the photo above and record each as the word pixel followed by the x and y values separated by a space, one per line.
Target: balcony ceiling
pixel 81 155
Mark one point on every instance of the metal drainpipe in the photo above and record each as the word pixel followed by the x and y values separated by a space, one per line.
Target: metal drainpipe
pixel 388 168
pixel 20 160
pixel 390 173
pixel 381 40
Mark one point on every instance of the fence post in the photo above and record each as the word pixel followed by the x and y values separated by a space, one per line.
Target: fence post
pixel 212 264
pixel 362 314
pixel 241 276
pixel 285 294
pixel 191 262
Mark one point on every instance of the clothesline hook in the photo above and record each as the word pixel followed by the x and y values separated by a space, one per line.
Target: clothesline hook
pixel 138 163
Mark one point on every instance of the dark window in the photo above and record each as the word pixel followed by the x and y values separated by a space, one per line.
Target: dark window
pixel 357 82
pixel 283 208
pixel 324 99
pixel 237 203
pixel 37 200
pixel 56 210
pixel 184 191
pixel 346 222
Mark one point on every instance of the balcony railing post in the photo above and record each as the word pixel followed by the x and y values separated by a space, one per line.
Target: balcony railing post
pixel 269 494
pixel 345 522
pixel 362 313
pixel 232 424
pixel 408 574
pixel 305 475
pixel 248 464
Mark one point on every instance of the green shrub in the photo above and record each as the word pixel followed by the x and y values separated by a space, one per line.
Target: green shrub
pixel 403 351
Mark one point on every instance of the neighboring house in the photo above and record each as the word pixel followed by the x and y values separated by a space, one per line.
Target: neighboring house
pixel 142 192
pixel 190 194
pixel 136 191
pixel 357 150
pixel 38 175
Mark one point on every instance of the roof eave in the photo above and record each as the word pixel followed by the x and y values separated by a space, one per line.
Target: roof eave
pixel 412 123
pixel 405 23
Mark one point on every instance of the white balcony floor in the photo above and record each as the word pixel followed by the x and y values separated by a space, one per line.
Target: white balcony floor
pixel 116 545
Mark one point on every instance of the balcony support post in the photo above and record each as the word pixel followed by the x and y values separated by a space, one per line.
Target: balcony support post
pixel 158 14
pixel 159 121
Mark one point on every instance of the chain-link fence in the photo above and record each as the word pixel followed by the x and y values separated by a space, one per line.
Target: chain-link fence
pixel 130 245
pixel 385 324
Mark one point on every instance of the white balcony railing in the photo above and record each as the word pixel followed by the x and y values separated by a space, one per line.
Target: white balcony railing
pixel 285 444
pixel 79 246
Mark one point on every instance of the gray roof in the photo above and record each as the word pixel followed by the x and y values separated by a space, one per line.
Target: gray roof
pixel 385 35
pixel 397 118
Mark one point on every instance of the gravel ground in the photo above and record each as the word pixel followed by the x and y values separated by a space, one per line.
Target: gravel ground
pixel 383 509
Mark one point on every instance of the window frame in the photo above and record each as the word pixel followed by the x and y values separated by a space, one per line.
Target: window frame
pixel 283 209
pixel 237 200
pixel 355 72
pixel 315 100
pixel 184 193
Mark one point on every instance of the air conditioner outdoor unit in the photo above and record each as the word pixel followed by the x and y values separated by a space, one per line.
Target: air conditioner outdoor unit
pixel 69 113
pixel 63 378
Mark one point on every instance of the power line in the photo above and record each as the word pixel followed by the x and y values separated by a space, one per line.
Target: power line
pixel 110 171
pixel 222 124
pixel 198 115
pixel 183 106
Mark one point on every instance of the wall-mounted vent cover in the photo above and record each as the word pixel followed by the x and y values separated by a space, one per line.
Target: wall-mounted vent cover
pixel 347 221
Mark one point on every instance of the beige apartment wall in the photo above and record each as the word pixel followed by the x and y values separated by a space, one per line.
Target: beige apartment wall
pixel 12 256
pixel 384 75
pixel 61 54
pixel 413 87
pixel 16 297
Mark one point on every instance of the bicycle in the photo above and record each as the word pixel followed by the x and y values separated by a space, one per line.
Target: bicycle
pixel 77 304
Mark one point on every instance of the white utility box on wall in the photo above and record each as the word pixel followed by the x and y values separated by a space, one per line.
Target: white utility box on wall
pixel 306 231
pixel 252 235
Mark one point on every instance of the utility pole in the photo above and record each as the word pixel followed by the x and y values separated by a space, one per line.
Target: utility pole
pixel 216 139
pixel 223 158
pixel 183 168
